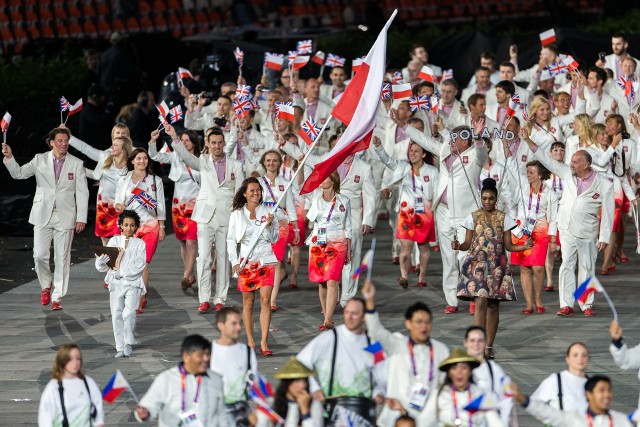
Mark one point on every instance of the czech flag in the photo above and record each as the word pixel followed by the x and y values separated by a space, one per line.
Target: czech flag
pixel 548 37
pixel 377 351
pixel 358 109
pixel 485 402
pixel 116 385
pixel 592 284
pixel 365 265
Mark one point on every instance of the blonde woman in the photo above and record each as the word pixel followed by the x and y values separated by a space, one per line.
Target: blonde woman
pixel 70 397
pixel 544 127
pixel 581 140
pixel 112 165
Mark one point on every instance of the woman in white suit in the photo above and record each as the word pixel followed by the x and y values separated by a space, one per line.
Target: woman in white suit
pixel 545 128
pixel 258 274
pixel 185 193
pixel 112 164
pixel 142 191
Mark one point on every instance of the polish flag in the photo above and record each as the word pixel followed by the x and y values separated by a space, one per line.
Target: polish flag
pixel 357 108
pixel 426 74
pixel 548 37
pixel 513 106
pixel 356 63
pixel 318 58
pixel 163 109
pixel 402 91
pixel 285 112
pixel 571 63
pixel 4 123
pixel 274 61
pixel 75 108
pixel 183 73
pixel 299 62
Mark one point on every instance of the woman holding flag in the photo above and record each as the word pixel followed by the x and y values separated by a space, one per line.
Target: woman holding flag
pixel 71 397
pixel 536 219
pixel 329 243
pixel 258 273
pixel 142 191
pixel 185 192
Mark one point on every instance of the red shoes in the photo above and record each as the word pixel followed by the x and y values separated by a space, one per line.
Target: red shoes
pixel 527 311
pixel 266 352
pixel 589 312
pixel 218 307
pixel 396 260
pixel 204 307
pixel 56 305
pixel 45 296
pixel 275 308
pixel 326 326
pixel 549 288
pixel 566 311
pixel 421 284
pixel 472 308
pixel 450 309
pixel 541 310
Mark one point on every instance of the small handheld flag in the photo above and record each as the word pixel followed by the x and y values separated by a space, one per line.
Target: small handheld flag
pixel 396 78
pixel 239 54
pixel 309 131
pixel 427 74
pixel 548 37
pixel 175 114
pixel 304 46
pixel 183 73
pixel 4 123
pixel 592 284
pixel 75 108
pixel 259 392
pixel 377 351
pixel 419 103
pixel 243 90
pixel 299 61
pixel 435 102
pixel 114 388
pixel 335 61
pixel 402 91
pixel 485 402
pixel 284 111
pixel 242 106
pixel 386 91
pixel 365 264
pixel 318 58
pixel 145 200
pixel 557 68
pixel 163 109
pixel 273 61
pixel 447 74
pixel 64 104
pixel 571 63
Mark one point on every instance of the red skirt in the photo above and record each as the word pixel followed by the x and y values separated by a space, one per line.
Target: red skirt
pixel 150 235
pixel 280 247
pixel 537 255
pixel 326 262
pixel 618 212
pixel 106 219
pixel 416 226
pixel 184 227
pixel 253 277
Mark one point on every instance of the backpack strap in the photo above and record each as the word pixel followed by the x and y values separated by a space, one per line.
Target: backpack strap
pixel 333 361
pixel 560 391
pixel 93 411
pixel 65 420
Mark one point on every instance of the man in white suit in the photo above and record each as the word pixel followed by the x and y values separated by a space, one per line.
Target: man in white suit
pixel 450 109
pixel 586 205
pixel 596 79
pixel 220 178
pixel 337 86
pixel 461 161
pixel 488 61
pixel 626 103
pixel 497 111
pixel 477 106
pixel 59 207
pixel 619 46
pixel 482 84
pixel 508 72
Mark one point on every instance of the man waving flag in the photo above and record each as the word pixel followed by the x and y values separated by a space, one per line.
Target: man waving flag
pixel 357 108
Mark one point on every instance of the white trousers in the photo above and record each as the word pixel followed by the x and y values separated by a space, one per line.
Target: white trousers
pixel 208 234
pixel 349 286
pixel 583 252
pixel 450 265
pixel 62 239
pixel 124 302
pixel 390 204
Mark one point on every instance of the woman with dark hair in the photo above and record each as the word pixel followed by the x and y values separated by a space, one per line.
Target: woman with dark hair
pixel 81 403
pixel 125 281
pixel 142 191
pixel 487 309
pixel 185 192
pixel 292 400
pixel 536 219
pixel 258 274
pixel 329 244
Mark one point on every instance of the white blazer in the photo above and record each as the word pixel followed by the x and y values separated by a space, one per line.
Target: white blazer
pixel 132 264
pixel 455 118
pixel 610 63
pixel 617 93
pixel 605 102
pixel 214 196
pixel 70 195
pixel 525 95
pixel 99 156
pixel 580 215
pixel 238 223
pixel 340 216
pixel 464 197
pixel 470 90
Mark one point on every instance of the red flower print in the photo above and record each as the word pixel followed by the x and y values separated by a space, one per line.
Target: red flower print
pixel 403 204
pixel 175 200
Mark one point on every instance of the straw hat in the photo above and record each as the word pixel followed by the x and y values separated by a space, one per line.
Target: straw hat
pixel 458 355
pixel 293 370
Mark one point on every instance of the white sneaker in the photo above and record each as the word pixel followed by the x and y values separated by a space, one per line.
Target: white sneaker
pixel 119 354
pixel 128 351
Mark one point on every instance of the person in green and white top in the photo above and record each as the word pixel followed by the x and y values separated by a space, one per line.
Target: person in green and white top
pixel 235 362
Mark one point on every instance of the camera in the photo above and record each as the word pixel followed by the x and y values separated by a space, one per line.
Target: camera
pixel 625 135
pixel 207 95
pixel 220 121
pixel 602 56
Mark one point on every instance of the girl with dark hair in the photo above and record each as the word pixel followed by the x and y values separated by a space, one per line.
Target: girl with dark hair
pixel 247 218
pixel 125 281
pixel 186 189
pixel 142 191
pixel 292 400
pixel 329 244
pixel 487 306
pixel 81 403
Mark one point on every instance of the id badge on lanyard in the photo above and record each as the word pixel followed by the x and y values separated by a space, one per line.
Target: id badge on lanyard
pixel 322 236
pixel 419 395
pixel 419 204
pixel 190 419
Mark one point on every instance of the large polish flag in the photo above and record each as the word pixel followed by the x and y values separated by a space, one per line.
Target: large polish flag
pixel 357 108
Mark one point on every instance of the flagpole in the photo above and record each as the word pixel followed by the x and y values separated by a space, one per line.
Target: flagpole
pixel 613 308
pixel 254 241
pixel 373 252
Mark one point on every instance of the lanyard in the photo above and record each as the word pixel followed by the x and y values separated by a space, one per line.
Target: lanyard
pixel 547 131
pixel 455 404
pixel 614 161
pixel 413 360
pixel 413 181
pixel 183 378
pixel 266 181
pixel 590 419
pixel 559 187
pixel 333 205
pixel 191 174
pixel 531 199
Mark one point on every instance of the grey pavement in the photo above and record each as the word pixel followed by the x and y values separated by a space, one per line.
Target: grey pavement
pixel 528 347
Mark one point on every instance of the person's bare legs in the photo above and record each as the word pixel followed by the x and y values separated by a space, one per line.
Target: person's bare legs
pixel 322 293
pixel 265 315
pixel 189 258
pixel 538 280
pixel 145 279
pixel 480 316
pixel 247 317
pixel 620 236
pixel 493 319
pixel 295 264
pixel 332 299
pixel 609 260
pixel 425 254
pixel 279 267
pixel 525 280
pixel 406 246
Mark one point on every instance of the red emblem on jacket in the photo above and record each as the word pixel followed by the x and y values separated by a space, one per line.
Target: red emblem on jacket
pixel 70 176
pixel 281 187
pixel 356 179
pixel 595 196
pixel 465 159
pixel 426 178
pixel 342 208
pixel 233 175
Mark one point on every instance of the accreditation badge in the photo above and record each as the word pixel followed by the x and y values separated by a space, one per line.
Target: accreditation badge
pixel 418 205
pixel 418 397
pixel 190 419
pixel 322 236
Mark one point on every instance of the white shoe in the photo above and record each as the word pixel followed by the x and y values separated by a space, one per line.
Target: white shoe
pixel 128 351
pixel 119 354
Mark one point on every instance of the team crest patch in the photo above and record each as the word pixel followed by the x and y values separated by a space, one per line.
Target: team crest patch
pixel 233 175
pixel 323 120
pixel 153 187
pixel 281 187
pixel 356 179
pixel 595 196
pixel 524 157
pixel 70 176
pixel 426 178
pixel 263 219
pixel 626 149
pixel 341 208
pixel 465 159
pixel 553 130
pixel 496 178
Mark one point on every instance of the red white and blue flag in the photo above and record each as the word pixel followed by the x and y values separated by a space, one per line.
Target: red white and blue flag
pixel 626 83
pixel 175 114
pixel 335 61
pixel 309 131
pixel 386 91
pixel 365 264
pixel 64 104
pixel 243 90
pixel 254 104
pixel 557 68
pixel 396 78
pixel 239 54
pixel 304 46
pixel 447 74
pixel 589 286
pixel 435 102
pixel 259 392
pixel 4 123
pixel 114 388
pixel 357 108
pixel 485 402
pixel 145 200
pixel 377 351
pixel 514 104
pixel 242 106
pixel 419 103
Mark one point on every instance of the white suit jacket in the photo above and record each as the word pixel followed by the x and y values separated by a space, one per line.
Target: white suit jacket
pixel 238 223
pixel 574 418
pixel 214 196
pixel 605 108
pixel 468 91
pixel 525 95
pixel 580 215
pixel 610 63
pixel 489 124
pixel 455 118
pixel 492 113
pixel 464 195
pixel 617 93
pixel 70 195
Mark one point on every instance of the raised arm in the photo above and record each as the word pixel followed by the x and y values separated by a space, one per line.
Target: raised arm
pixel 385 158
pixel 554 166
pixel 15 170
pixel 153 150
pixel 189 159
pixel 92 153
pixel 377 332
